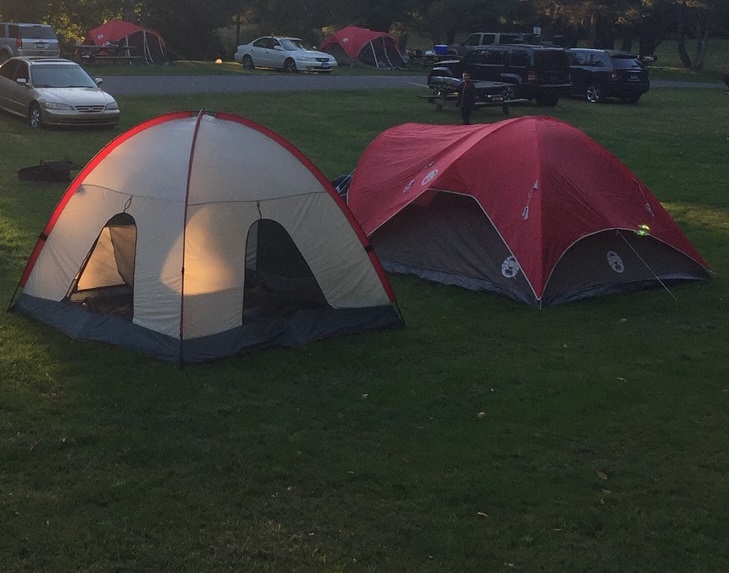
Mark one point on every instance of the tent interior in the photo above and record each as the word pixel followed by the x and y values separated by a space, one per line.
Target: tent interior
pixel 278 281
pixel 105 282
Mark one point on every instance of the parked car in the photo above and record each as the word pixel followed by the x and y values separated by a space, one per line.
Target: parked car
pixel 283 53
pixel 487 39
pixel 54 91
pixel 532 72
pixel 601 74
pixel 18 39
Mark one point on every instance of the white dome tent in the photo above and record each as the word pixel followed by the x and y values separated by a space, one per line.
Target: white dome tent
pixel 195 236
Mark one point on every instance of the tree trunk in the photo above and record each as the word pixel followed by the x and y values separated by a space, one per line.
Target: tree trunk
pixel 627 42
pixel 682 52
pixel 592 32
pixel 703 45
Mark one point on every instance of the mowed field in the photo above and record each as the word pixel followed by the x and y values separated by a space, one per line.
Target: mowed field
pixel 602 445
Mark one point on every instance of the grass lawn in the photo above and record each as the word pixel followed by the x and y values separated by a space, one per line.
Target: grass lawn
pixel 603 447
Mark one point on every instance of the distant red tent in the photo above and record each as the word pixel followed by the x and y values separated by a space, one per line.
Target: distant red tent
pixel 146 42
pixel 353 45
pixel 531 208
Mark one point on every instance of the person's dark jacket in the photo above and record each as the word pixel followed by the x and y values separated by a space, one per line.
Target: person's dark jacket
pixel 466 95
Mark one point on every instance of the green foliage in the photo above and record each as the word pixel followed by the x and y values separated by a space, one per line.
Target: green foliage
pixel 602 445
pixel 191 28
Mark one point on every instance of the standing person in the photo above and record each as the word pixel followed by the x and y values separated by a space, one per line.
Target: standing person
pixel 726 80
pixel 466 98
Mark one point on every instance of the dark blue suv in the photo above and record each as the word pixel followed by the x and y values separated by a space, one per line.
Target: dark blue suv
pixel 600 74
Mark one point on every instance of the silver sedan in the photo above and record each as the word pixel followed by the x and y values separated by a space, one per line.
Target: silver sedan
pixel 282 53
pixel 54 91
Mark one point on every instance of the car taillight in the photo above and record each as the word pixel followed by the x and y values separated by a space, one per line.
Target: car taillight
pixel 532 75
pixel 18 42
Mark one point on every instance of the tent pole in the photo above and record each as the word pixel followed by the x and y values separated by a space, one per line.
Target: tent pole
pixel 384 49
pixel 12 300
pixel 642 260
pixel 184 234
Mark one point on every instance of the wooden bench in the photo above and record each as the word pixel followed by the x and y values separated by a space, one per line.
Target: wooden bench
pixel 449 99
pixel 114 59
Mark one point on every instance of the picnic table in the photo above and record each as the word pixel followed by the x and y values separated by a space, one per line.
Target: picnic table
pixel 427 58
pixel 444 92
pixel 90 54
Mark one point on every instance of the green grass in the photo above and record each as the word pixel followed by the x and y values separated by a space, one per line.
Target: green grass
pixel 669 66
pixel 603 447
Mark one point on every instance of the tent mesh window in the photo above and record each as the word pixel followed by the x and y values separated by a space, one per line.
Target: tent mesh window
pixel 105 283
pixel 278 281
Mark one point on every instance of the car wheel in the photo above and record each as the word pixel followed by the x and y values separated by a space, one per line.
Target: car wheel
pixel 511 92
pixel 35 118
pixel 594 94
pixel 289 65
pixel 630 99
pixel 247 62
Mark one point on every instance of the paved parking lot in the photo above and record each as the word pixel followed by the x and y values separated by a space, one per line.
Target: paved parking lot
pixel 161 85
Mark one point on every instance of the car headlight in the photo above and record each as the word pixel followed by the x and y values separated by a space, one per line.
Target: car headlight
pixel 112 106
pixel 55 105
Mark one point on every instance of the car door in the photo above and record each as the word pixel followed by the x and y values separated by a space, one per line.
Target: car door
pixel 16 96
pixel 276 54
pixel 7 79
pixel 260 52
pixel 492 64
pixel 580 70
pixel 477 65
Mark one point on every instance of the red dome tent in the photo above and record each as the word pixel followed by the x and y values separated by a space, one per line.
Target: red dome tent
pixel 147 43
pixel 353 45
pixel 530 208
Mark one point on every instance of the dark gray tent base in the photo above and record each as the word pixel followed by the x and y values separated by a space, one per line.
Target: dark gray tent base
pixel 451 241
pixel 297 329
pixel 483 285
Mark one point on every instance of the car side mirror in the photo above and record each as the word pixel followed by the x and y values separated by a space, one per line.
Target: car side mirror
pixel 22 82
pixel 279 48
pixel 98 81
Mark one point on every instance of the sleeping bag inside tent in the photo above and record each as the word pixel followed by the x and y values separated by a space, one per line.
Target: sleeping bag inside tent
pixel 195 236
pixel 530 208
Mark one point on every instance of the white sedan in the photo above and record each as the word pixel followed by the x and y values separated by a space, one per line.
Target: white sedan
pixel 281 53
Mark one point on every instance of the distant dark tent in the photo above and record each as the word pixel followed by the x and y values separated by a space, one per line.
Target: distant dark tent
pixel 146 43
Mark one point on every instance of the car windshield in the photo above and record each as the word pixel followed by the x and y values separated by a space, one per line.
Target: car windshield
pixel 71 76
pixel 625 62
pixel 291 45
